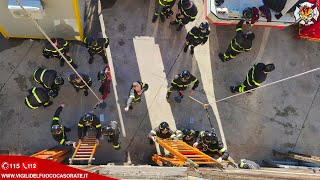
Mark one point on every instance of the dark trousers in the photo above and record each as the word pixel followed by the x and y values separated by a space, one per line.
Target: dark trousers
pixel 102 53
pixel 244 87
pixel 230 54
pixel 172 88
pixel 192 43
pixel 158 8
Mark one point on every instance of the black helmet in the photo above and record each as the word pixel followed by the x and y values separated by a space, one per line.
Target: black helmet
pixel 59 80
pixel 250 36
pixel 107 131
pixel 269 67
pixel 204 25
pixel 56 129
pixel 219 2
pixel 247 13
pixel 186 4
pixel 187 133
pixel 53 40
pixel 102 75
pixel 210 137
pixel 88 117
pixel 185 74
pixel 164 126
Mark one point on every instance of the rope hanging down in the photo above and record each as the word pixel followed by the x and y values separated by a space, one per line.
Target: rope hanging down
pixel 47 37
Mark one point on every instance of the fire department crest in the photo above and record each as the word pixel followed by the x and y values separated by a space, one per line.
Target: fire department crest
pixel 306 14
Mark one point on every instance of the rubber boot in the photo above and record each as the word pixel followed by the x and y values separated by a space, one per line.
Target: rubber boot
pixel 185 49
pixel 90 60
pixel 221 56
pixel 232 89
pixel 162 18
pixel 155 17
pixel 191 49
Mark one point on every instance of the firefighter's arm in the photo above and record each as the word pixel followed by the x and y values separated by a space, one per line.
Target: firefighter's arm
pixel 80 128
pixel 223 151
pixel 145 88
pixel 85 41
pixel 89 82
pixel 239 26
pixel 173 135
pixel 106 42
pixel 46 53
pixel 152 135
pixel 174 82
pixel 205 39
pixel 57 113
pixel 66 46
pixel 98 127
pixel 196 83
pixel 131 97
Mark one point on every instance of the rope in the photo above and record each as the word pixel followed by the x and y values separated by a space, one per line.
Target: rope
pixel 205 106
pixel 47 37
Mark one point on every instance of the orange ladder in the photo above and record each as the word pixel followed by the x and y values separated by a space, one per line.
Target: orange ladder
pixel 85 150
pixel 55 154
pixel 183 154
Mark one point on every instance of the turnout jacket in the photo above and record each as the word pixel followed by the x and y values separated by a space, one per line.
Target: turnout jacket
pixel 134 96
pixel 194 135
pixel 95 124
pixel 211 147
pixel 239 43
pixel 60 138
pixel 80 85
pixel 196 35
pixel 46 77
pixel 37 97
pixel 98 47
pixel 166 3
pixel 157 132
pixel 114 136
pixel 256 75
pixel 177 83
pixel 49 51
pixel 189 14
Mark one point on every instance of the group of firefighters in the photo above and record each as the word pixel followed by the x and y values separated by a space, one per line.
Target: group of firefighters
pixel 206 141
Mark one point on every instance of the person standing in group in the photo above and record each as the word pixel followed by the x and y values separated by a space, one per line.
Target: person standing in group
pixel 135 93
pixel 78 84
pixel 187 13
pixel 104 76
pixel 97 46
pixel 196 36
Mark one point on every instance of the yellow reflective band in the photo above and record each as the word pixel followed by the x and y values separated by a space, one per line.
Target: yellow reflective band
pixel 28 103
pixel 152 131
pixel 65 43
pixel 99 125
pixel 232 57
pixel 248 80
pixel 131 96
pixel 172 136
pixel 35 95
pixel 192 17
pixel 47 49
pixel 161 3
pixel 222 150
pixel 238 29
pixel 85 40
pixel 225 56
pixel 195 80
pixel 55 119
pixel 142 85
pixel 234 48
pixel 41 76
pixel 34 76
pixel 235 41
pixel 62 140
pixel 107 40
pixel 248 49
pixel 117 146
pixel 169 90
pixel 173 82
pixel 98 48
pixel 241 165
pixel 80 125
pixel 241 89
pixel 255 82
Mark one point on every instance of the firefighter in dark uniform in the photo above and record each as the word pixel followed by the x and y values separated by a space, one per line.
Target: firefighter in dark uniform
pixel 49 51
pixel 86 121
pixel 209 143
pixel 104 76
pixel 48 78
pixel 58 131
pixel 181 82
pixel 39 97
pixel 78 84
pixel 196 36
pixel 112 131
pixel 187 13
pixel 189 136
pixel 240 43
pixel 162 132
pixel 96 46
pixel 162 8
pixel 135 93
pixel 256 75
pixel 247 164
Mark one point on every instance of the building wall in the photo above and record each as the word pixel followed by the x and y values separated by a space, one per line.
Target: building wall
pixel 60 20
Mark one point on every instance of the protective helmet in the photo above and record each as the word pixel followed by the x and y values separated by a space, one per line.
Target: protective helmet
pixel 93 41
pixel 204 25
pixel 107 131
pixel 185 74
pixel 247 13
pixel 269 67
pixel 56 129
pixel 210 137
pixel 186 4
pixel 88 117
pixel 219 2
pixel 186 132
pixel 53 40
pixel 164 126
pixel 102 75
pixel 250 36
pixel 59 80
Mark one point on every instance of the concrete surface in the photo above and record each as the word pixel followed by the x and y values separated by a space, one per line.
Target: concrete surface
pixel 281 117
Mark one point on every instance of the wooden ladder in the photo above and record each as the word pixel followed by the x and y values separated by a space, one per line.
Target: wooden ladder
pixel 55 154
pixel 183 154
pixel 85 150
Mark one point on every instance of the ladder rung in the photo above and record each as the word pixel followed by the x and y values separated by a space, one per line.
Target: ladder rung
pixel 195 155
pixel 200 159
pixel 205 162
pixel 80 152
pixel 84 147
pixel 82 159
pixel 81 155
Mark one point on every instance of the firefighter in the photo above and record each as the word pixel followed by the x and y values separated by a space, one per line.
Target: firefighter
pixel 187 13
pixel 162 8
pixel 209 143
pixel 78 84
pixel 247 164
pixel 39 97
pixel 49 51
pixel 240 43
pixel 190 136
pixel 97 46
pixel 104 76
pixel 112 131
pixel 86 121
pixel 196 36
pixel 181 82
pixel 135 93
pixel 58 131
pixel 256 75
pixel 163 132
pixel 48 78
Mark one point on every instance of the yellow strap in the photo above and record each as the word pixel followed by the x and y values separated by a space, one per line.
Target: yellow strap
pixel 65 43
pixel 131 96
pixel 172 136
pixel 45 49
pixel 255 82
pixel 85 40
pixel 62 140
pixel 173 82
pixel 80 125
pixel 238 29
pixel 241 165
pixel 152 131
pixel 195 80
pixel 192 17
pixel 55 119
pixel 235 48
pixel 99 125
pixel 222 150
pixel 34 76
pixel 41 76
pixel 117 146
pixel 35 95
pixel 28 103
